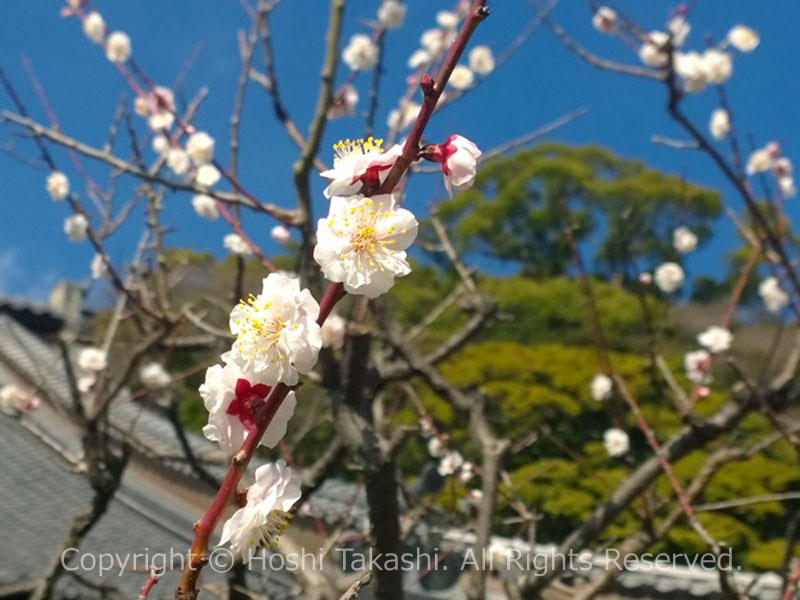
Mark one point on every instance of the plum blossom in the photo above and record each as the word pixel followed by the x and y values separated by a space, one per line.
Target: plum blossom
pixel 236 244
pixel 466 472
pixel 261 522
pixel 333 330
pixel 669 277
pixel 447 19
pixel 178 161
pixel 645 278
pixel 761 160
pixel 787 186
pixel 154 377
pixel 161 145
pixel 717 65
pixel 715 339
pixel 118 47
pixel 359 163
pixel 679 27
pixel 436 40
pixel 697 365
pixel 92 360
pixel 12 398
pixel 601 387
pixel 158 106
pixel 436 448
pixel 402 118
pixel 459 159
pixel 277 335
pixel 481 60
pixel 76 227
pixel 84 383
pixel 743 38
pixel 720 124
pixel 361 53
pixel 200 147
pixel 207 175
pixel 362 243
pixel 653 51
pixel 605 20
pixel 98 266
pixel 450 463
pixel 94 27
pixel 57 185
pixel 280 234
pixel 344 102
pixel 772 294
pixel 461 78
pixel 205 206
pixel 691 68
pixel 418 58
pixel 391 14
pixel 684 240
pixel 616 442
pixel 231 398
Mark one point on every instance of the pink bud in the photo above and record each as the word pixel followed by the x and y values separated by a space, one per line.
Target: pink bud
pixel 645 278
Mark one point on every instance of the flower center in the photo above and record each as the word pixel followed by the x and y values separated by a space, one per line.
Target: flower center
pixel 259 325
pixel 269 533
pixel 359 147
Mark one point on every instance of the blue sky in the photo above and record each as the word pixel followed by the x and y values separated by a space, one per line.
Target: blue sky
pixel 541 82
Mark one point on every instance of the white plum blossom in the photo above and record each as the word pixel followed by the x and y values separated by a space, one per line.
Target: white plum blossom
pixel 92 360
pixel 200 147
pixel 280 234
pixel 787 186
pixel 359 163
pixel 205 206
pixel 466 472
pixel 158 106
pixel 207 175
pixel 450 463
pixel 698 367
pixel 684 240
pixel 362 243
pixel 418 58
pixel 436 448
pixel 391 14
pixel 782 167
pixel 605 20
pixel 231 398
pixel 715 339
pixel 717 65
pixel 76 227
pixel 679 27
pixel 261 522
pixel 760 160
pixel 118 47
pixel 57 185
pixel 277 335
pixel 13 398
pixel 774 297
pixel 653 51
pixel 98 266
pixel 402 118
pixel 161 145
pixel 720 124
pixel 436 40
pixel 447 19
pixel 481 60
pixel 743 38
pixel 361 53
pixel 691 68
pixel 178 161
pixel 344 102
pixel 645 278
pixel 616 442
pixel 461 78
pixel 459 159
pixel 84 383
pixel 154 377
pixel 333 330
pixel 601 387
pixel 669 277
pixel 94 27
pixel 236 244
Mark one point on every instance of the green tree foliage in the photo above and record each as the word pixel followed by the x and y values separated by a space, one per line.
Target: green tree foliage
pixel 515 211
